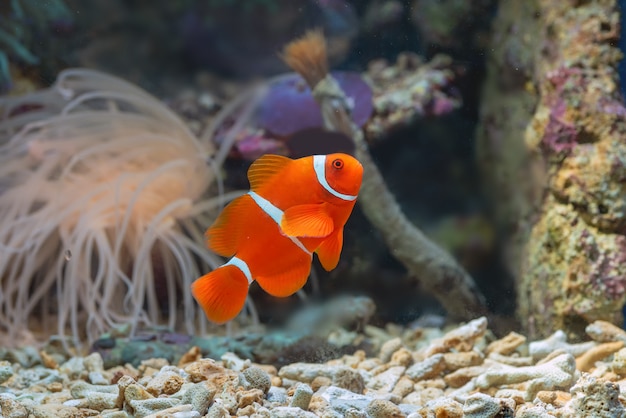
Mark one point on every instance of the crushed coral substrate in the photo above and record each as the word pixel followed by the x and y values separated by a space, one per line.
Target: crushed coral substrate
pixel 461 371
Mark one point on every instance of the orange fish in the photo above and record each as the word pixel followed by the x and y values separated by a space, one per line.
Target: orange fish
pixel 294 208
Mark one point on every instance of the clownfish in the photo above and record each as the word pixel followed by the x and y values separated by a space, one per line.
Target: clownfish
pixel 294 208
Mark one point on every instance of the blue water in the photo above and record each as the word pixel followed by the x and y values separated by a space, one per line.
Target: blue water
pixel 622 46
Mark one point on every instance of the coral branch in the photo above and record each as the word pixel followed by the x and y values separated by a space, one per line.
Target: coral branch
pixel 436 270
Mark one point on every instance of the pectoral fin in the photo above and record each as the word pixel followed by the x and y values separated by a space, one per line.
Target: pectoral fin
pixel 330 249
pixel 307 221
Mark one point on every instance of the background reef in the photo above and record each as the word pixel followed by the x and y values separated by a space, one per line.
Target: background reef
pixel 496 126
pixel 552 123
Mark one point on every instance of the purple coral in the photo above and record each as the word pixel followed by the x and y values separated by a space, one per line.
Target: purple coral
pixel 289 105
pixel 559 135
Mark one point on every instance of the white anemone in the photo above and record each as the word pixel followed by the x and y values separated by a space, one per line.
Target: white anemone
pixel 104 193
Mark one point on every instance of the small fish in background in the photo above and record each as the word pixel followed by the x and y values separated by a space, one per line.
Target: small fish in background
pixel 294 208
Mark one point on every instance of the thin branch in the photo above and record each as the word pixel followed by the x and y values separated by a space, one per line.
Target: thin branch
pixel 437 271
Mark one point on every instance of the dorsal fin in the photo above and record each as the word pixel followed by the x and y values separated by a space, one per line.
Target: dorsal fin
pixel 224 236
pixel 264 168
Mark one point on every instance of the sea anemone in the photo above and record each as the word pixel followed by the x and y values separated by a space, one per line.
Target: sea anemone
pixel 290 107
pixel 104 197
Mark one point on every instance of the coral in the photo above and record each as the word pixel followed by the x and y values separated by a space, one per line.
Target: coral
pixel 551 140
pixel 103 204
pixel 289 106
pixel 213 37
pixel 287 120
pixel 407 90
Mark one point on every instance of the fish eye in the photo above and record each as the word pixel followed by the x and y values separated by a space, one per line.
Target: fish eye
pixel 338 163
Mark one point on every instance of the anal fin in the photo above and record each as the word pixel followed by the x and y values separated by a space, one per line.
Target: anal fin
pixel 286 281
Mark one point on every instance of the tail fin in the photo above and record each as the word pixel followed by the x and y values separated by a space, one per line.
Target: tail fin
pixel 221 293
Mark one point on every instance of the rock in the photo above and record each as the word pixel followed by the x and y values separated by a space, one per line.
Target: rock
pixel 506 345
pixel 459 339
pixel 199 396
pixel 6 371
pixel 557 373
pixel 557 341
pixel 388 348
pixel 385 382
pixel 94 363
pixel 618 365
pixel 202 369
pixel 431 367
pixel 142 408
pixel 11 408
pixel 593 397
pixel 249 397
pixel 350 379
pixel 341 399
pixel 290 412
pixel 480 405
pixel 165 382
pixel 97 401
pixel 588 360
pixel 379 408
pixel 257 378
pixel 603 331
pixel 83 389
pixel 277 395
pixel 301 396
